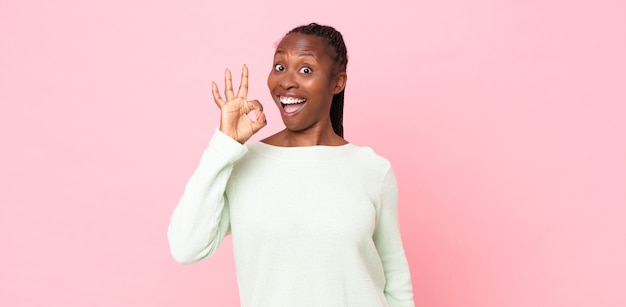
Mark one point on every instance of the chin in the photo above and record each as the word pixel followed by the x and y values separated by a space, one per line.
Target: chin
pixel 292 127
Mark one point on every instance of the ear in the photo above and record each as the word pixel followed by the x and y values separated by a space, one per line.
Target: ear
pixel 339 83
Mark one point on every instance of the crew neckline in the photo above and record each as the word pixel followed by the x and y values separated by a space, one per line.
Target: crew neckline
pixel 314 152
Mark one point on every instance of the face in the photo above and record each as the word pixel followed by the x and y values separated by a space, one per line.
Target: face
pixel 303 80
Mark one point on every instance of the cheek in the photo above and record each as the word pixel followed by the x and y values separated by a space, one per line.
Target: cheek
pixel 315 84
pixel 270 80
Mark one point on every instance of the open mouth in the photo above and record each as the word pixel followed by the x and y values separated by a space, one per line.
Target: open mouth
pixel 292 105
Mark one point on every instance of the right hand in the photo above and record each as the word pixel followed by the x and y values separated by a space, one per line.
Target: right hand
pixel 234 121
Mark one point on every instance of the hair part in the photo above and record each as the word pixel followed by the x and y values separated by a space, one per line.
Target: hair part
pixel 334 39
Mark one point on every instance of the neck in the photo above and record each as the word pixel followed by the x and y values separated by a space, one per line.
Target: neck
pixel 309 137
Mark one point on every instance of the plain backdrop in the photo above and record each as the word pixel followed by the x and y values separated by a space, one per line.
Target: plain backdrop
pixel 504 120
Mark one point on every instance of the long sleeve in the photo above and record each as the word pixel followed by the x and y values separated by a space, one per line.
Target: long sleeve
pixel 200 221
pixel 398 288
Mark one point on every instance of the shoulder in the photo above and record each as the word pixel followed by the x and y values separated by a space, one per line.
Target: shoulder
pixel 373 159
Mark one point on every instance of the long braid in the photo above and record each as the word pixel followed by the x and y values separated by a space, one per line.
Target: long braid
pixel 334 39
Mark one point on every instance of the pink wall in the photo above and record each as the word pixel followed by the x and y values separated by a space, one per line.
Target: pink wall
pixel 505 121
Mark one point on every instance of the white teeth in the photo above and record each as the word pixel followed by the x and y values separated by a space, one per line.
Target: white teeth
pixel 291 100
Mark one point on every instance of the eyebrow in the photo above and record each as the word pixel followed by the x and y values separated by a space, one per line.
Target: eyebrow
pixel 299 55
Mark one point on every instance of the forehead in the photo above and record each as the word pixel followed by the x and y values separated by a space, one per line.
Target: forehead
pixel 304 43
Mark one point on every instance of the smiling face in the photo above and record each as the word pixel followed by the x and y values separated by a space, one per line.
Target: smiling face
pixel 303 80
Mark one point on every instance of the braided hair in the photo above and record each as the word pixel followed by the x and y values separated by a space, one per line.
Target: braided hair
pixel 334 39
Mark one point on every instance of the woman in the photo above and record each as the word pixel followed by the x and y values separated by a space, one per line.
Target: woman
pixel 313 218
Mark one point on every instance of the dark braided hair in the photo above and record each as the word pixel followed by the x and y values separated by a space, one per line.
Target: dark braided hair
pixel 334 39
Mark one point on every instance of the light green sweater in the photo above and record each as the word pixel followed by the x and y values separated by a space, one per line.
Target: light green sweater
pixel 310 226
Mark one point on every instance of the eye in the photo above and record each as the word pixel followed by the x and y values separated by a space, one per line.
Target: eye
pixel 279 67
pixel 305 70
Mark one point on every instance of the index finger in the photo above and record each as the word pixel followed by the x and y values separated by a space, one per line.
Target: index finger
pixel 243 86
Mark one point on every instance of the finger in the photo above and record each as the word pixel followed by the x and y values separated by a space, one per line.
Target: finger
pixel 254 105
pixel 243 87
pixel 228 79
pixel 260 121
pixel 216 95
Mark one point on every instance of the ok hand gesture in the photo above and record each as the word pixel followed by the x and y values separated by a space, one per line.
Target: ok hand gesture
pixel 234 121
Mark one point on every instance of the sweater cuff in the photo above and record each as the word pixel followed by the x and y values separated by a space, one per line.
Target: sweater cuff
pixel 227 146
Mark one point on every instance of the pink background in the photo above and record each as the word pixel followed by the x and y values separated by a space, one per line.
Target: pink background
pixel 505 122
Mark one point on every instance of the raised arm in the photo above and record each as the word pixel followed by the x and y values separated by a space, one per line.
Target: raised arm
pixel 201 219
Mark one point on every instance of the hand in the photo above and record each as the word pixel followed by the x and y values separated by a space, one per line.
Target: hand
pixel 234 121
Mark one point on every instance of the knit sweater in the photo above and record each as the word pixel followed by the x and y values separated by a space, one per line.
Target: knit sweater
pixel 310 226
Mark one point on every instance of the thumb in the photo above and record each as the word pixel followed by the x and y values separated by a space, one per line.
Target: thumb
pixel 260 121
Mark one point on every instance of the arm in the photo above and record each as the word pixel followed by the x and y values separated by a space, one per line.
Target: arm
pixel 201 220
pixel 398 288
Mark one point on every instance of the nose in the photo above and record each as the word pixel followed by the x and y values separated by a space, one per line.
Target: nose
pixel 288 81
